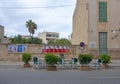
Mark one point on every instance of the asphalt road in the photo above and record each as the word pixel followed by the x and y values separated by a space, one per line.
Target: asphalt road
pixel 30 76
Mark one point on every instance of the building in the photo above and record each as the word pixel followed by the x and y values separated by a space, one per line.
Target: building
pixel 25 36
pixel 46 36
pixel 97 24
pixel 1 34
pixel 3 39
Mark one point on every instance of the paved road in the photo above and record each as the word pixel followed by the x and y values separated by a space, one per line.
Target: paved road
pixel 14 73
pixel 30 76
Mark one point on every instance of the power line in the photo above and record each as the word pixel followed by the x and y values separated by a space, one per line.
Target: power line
pixel 36 7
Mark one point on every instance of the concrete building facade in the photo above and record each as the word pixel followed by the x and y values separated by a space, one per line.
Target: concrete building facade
pixel 46 36
pixel 97 24
pixel 1 34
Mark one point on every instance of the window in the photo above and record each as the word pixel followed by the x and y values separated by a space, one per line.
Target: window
pixel 102 11
pixel 103 43
pixel 56 36
pixel 48 35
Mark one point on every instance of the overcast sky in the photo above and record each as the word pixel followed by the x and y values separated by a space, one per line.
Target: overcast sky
pixel 49 15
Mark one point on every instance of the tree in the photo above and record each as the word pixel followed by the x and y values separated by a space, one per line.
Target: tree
pixel 60 42
pixel 63 41
pixel 31 27
pixel 52 42
pixel 19 40
pixel 35 40
pixel 16 39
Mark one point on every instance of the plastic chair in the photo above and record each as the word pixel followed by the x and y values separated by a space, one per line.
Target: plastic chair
pixel 74 63
pixel 36 63
pixel 61 63
pixel 97 64
pixel 67 63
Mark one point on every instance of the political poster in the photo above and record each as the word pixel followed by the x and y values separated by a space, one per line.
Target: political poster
pixel 16 48
pixel 12 48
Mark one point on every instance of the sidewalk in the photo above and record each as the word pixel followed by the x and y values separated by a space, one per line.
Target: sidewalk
pixel 115 63
pixel 15 64
pixel 11 63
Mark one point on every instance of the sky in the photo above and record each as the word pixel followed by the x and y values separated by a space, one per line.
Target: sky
pixel 49 15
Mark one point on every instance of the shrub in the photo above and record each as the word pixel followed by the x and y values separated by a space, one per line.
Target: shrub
pixel 85 59
pixel 51 59
pixel 105 58
pixel 26 57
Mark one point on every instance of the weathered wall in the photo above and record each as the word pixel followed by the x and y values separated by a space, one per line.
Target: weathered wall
pixel 36 50
pixel 80 23
pixel 1 34
pixel 86 25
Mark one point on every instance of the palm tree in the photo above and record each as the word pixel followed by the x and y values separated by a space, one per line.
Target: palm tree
pixel 31 27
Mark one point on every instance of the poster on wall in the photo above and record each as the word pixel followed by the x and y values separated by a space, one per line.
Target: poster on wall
pixel 49 48
pixel 17 48
pixel 12 48
pixel 92 45
pixel 21 48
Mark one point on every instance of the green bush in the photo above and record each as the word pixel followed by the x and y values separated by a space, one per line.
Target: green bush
pixel 85 59
pixel 105 58
pixel 26 57
pixel 51 59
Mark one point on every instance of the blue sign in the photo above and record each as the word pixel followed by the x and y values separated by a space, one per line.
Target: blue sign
pixel 19 48
pixel 16 48
pixel 12 48
pixel 82 44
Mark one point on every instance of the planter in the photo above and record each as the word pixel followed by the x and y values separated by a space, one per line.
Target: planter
pixel 26 65
pixel 26 57
pixel 51 68
pixel 105 60
pixel 84 60
pixel 51 61
pixel 106 66
pixel 85 68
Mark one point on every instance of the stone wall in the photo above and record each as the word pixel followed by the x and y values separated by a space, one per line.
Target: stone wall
pixel 36 50
pixel 3 51
pixel 115 53
pixel 1 34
